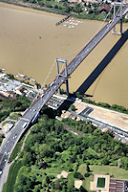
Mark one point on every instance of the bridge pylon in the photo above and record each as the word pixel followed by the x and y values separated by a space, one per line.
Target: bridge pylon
pixel 58 60
pixel 120 5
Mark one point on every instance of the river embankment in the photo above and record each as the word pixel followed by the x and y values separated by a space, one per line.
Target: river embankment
pixel 80 11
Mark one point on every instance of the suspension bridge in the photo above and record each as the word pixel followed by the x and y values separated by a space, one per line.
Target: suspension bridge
pixel 32 112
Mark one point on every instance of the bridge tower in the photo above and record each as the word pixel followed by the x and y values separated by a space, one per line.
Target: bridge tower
pixel 120 5
pixel 66 73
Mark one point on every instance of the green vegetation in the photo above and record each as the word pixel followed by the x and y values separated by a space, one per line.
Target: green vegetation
pixel 101 182
pixel 114 107
pixel 9 186
pixel 84 11
pixel 73 108
pixel 1 138
pixel 5 122
pixel 15 116
pixel 113 171
pixel 38 85
pixel 18 104
pixel 50 149
pixel 10 76
pixel 82 126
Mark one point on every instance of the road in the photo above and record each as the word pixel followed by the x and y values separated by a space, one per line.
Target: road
pixel 34 109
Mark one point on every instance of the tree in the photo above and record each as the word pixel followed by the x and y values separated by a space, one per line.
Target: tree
pixel 67 9
pixel 11 76
pixel 78 8
pixel 38 85
pixel 73 108
pixel 78 95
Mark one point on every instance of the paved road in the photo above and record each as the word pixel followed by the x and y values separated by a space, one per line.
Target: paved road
pixel 34 109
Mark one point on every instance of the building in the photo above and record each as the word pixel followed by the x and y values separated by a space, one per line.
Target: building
pixel 100 183
pixel 104 183
pixel 105 8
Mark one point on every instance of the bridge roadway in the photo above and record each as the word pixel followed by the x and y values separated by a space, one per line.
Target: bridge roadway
pixel 10 142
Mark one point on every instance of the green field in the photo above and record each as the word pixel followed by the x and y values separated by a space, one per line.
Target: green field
pixel 100 182
pixel 9 185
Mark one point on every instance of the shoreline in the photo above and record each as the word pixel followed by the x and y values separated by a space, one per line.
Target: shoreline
pixel 52 10
pixel 40 8
pixel 32 7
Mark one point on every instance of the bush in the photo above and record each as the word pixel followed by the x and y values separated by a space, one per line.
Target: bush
pixel 87 174
pixel 78 175
pixel 56 6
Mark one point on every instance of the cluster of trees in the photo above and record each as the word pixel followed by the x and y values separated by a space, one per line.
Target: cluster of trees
pixel 18 104
pixel 50 148
pixel 84 10
pixel 83 126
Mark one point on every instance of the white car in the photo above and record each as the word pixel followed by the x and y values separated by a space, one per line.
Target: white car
pixel 1 172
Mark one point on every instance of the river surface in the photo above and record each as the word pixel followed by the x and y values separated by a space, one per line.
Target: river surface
pixel 30 42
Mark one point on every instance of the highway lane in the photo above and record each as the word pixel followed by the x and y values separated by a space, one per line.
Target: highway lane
pixel 34 109
pixel 10 142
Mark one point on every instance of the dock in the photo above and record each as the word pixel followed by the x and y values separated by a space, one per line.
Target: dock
pixel 62 20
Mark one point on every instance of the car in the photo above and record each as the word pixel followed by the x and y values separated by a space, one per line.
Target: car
pixel 1 172
pixel 6 153
pixel 110 21
pixel 15 136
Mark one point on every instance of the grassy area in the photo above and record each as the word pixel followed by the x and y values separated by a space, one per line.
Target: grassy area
pixel 101 182
pixel 6 122
pixel 14 169
pixel 113 171
pixel 15 116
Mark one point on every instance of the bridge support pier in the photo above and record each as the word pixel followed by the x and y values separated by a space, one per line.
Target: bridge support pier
pixel 121 25
pixel 66 73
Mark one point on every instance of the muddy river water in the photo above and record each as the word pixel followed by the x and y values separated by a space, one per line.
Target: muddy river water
pixel 30 42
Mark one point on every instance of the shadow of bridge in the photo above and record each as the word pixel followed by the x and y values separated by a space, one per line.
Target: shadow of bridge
pixel 103 64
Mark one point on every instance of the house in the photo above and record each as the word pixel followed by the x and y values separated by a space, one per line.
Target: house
pixel 105 8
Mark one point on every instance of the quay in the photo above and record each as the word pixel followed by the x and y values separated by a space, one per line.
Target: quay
pixel 62 20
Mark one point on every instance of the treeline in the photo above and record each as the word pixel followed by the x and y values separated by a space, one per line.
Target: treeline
pixel 50 148
pixel 114 107
pixel 86 10
pixel 12 105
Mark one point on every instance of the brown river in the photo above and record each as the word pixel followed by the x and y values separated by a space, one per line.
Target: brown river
pixel 30 42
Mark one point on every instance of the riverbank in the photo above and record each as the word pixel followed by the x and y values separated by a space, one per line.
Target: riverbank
pixel 62 9
pixel 31 6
